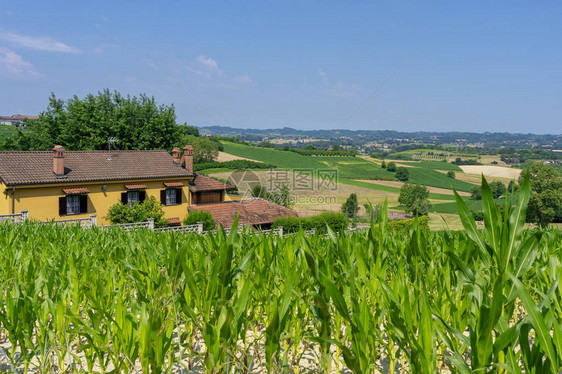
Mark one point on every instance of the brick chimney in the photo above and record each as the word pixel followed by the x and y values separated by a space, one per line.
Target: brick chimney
pixel 58 160
pixel 176 155
pixel 188 157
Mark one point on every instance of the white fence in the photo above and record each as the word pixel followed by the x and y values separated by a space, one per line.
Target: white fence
pixel 197 228
pixel 82 222
pixel 133 226
pixel 16 218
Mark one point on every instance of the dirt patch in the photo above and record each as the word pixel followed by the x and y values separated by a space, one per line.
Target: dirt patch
pixel 223 157
pixel 492 171
pixel 476 178
pixel 397 184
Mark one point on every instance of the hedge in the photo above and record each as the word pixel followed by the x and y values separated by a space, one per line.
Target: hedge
pixel 336 221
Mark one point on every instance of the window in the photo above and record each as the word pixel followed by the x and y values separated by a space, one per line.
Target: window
pixel 130 197
pixel 133 196
pixel 171 195
pixel 73 204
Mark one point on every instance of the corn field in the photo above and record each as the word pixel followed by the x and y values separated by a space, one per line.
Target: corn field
pixel 475 301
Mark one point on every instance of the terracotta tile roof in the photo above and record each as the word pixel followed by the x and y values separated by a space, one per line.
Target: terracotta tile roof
pixel 174 222
pixel 75 191
pixel 173 184
pixel 18 168
pixel 204 183
pixel 135 186
pixel 251 211
pixel 19 116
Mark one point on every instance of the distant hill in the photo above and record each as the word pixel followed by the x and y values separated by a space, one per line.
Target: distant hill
pixel 358 137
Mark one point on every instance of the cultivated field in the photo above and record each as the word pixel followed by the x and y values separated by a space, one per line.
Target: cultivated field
pixel 393 298
pixel 492 171
pixel 397 184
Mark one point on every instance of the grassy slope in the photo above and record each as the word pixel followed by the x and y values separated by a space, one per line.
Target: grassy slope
pixel 349 167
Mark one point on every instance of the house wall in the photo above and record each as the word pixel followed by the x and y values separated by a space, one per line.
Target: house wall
pixel 5 200
pixel 42 202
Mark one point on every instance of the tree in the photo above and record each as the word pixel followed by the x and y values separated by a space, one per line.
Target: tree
pixel 383 164
pixel 200 216
pixel 336 147
pixel 402 174
pixel 498 189
pixel 476 193
pixel 546 194
pixel 281 197
pixel 87 123
pixel 451 174
pixel 137 212
pixel 391 166
pixel 259 191
pixel 204 150
pixel 350 208
pixel 415 199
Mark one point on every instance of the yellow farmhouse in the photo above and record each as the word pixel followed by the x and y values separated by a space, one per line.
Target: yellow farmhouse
pixel 60 185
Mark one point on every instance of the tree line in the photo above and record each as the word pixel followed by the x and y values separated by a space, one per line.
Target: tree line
pixel 137 123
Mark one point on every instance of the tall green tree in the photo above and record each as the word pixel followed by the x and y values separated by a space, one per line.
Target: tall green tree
pixel 545 201
pixel 86 124
pixel 415 199
pixel 351 207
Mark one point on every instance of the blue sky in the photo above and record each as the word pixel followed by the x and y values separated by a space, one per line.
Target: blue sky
pixel 474 66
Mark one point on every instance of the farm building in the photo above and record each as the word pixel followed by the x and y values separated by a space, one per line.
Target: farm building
pixel 59 185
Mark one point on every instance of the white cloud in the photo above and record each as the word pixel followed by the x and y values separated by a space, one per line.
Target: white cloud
pixel 38 43
pixel 209 64
pixel 243 79
pixel 14 64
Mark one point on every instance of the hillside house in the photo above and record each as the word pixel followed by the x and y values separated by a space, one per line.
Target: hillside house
pixel 15 120
pixel 60 185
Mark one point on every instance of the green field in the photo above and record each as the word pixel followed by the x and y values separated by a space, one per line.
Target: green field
pixel 350 168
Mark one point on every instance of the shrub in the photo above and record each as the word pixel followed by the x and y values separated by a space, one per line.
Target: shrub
pixel 336 221
pixel 451 174
pixel 383 164
pixel 476 193
pixel 137 212
pixel 498 189
pixel 289 224
pixel 402 174
pixel 403 227
pixel 391 166
pixel 200 216
pixel 478 215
